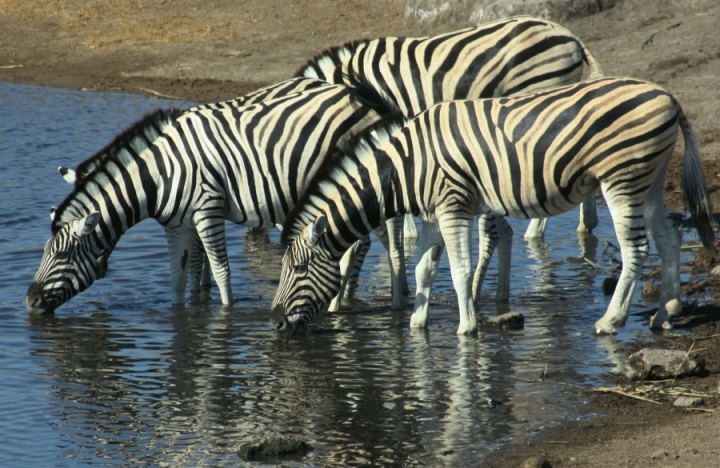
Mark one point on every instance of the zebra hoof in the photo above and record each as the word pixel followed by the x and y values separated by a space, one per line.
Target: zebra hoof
pixel 604 330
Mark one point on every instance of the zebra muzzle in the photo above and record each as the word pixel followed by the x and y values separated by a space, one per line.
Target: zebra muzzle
pixel 281 323
pixel 35 302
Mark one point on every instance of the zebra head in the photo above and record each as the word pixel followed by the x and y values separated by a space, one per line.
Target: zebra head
pixel 309 279
pixel 69 265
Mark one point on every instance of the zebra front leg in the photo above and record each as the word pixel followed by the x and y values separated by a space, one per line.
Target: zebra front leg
pixel 354 273
pixel 504 250
pixel 391 236
pixel 179 242
pixel 488 239
pixel 456 233
pixel 211 229
pixel 431 247
pixel 493 231
pixel 630 231
pixel 198 266
pixel 347 265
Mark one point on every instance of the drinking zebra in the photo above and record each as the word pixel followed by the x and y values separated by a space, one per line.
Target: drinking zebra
pixel 530 156
pixel 198 267
pixel 247 165
pixel 507 57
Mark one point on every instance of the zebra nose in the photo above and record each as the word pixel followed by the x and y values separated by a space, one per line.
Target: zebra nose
pixel 278 321
pixel 279 325
pixel 35 300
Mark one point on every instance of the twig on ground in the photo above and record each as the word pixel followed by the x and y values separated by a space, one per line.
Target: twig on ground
pixel 623 393
pixel 12 66
pixel 157 93
pixel 650 39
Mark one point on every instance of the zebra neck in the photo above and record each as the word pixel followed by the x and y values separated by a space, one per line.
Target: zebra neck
pixel 121 206
pixel 376 199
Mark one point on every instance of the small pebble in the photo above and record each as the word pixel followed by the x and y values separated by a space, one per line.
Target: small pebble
pixel 687 402
pixel 536 462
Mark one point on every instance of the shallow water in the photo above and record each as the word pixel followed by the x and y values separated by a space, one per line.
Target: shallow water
pixel 121 377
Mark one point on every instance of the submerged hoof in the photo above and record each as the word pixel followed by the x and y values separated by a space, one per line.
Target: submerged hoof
pixel 604 329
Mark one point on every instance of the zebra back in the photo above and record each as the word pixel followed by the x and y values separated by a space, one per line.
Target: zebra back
pixel 501 58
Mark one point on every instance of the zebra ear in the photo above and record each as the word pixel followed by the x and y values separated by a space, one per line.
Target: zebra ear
pixel 314 231
pixel 67 174
pixel 53 210
pixel 88 224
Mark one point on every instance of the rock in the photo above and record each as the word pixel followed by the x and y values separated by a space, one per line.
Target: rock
pixel 650 291
pixel 608 286
pixel 649 364
pixel 435 12
pixel 273 447
pixel 659 454
pixel 687 402
pixel 513 320
pixel 715 271
pixel 536 462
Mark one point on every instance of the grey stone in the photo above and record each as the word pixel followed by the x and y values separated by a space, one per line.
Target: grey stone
pixel 272 447
pixel 654 364
pixel 715 271
pixel 536 462
pixel 508 320
pixel 463 13
pixel 687 402
pixel 650 291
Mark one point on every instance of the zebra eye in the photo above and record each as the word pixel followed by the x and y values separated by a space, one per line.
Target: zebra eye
pixel 300 269
pixel 62 254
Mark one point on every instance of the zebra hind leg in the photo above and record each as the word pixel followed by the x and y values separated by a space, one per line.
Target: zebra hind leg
pixel 666 238
pixel 631 234
pixel 588 215
pixel 429 251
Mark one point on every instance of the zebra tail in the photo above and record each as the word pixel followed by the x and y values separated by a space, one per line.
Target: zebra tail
pixel 593 65
pixel 692 181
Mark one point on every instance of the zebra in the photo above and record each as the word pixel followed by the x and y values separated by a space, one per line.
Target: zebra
pixel 197 264
pixel 512 56
pixel 247 165
pixel 536 155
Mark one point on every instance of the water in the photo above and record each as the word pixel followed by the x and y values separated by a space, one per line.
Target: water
pixel 120 377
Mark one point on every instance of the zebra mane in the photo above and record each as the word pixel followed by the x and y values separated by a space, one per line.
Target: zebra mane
pixel 133 140
pixel 148 128
pixel 355 147
pixel 332 54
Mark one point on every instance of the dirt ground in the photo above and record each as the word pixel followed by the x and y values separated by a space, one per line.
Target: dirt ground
pixel 207 51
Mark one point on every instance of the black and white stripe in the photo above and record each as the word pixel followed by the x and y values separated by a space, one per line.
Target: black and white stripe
pixel 245 164
pixel 530 156
pixel 507 57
